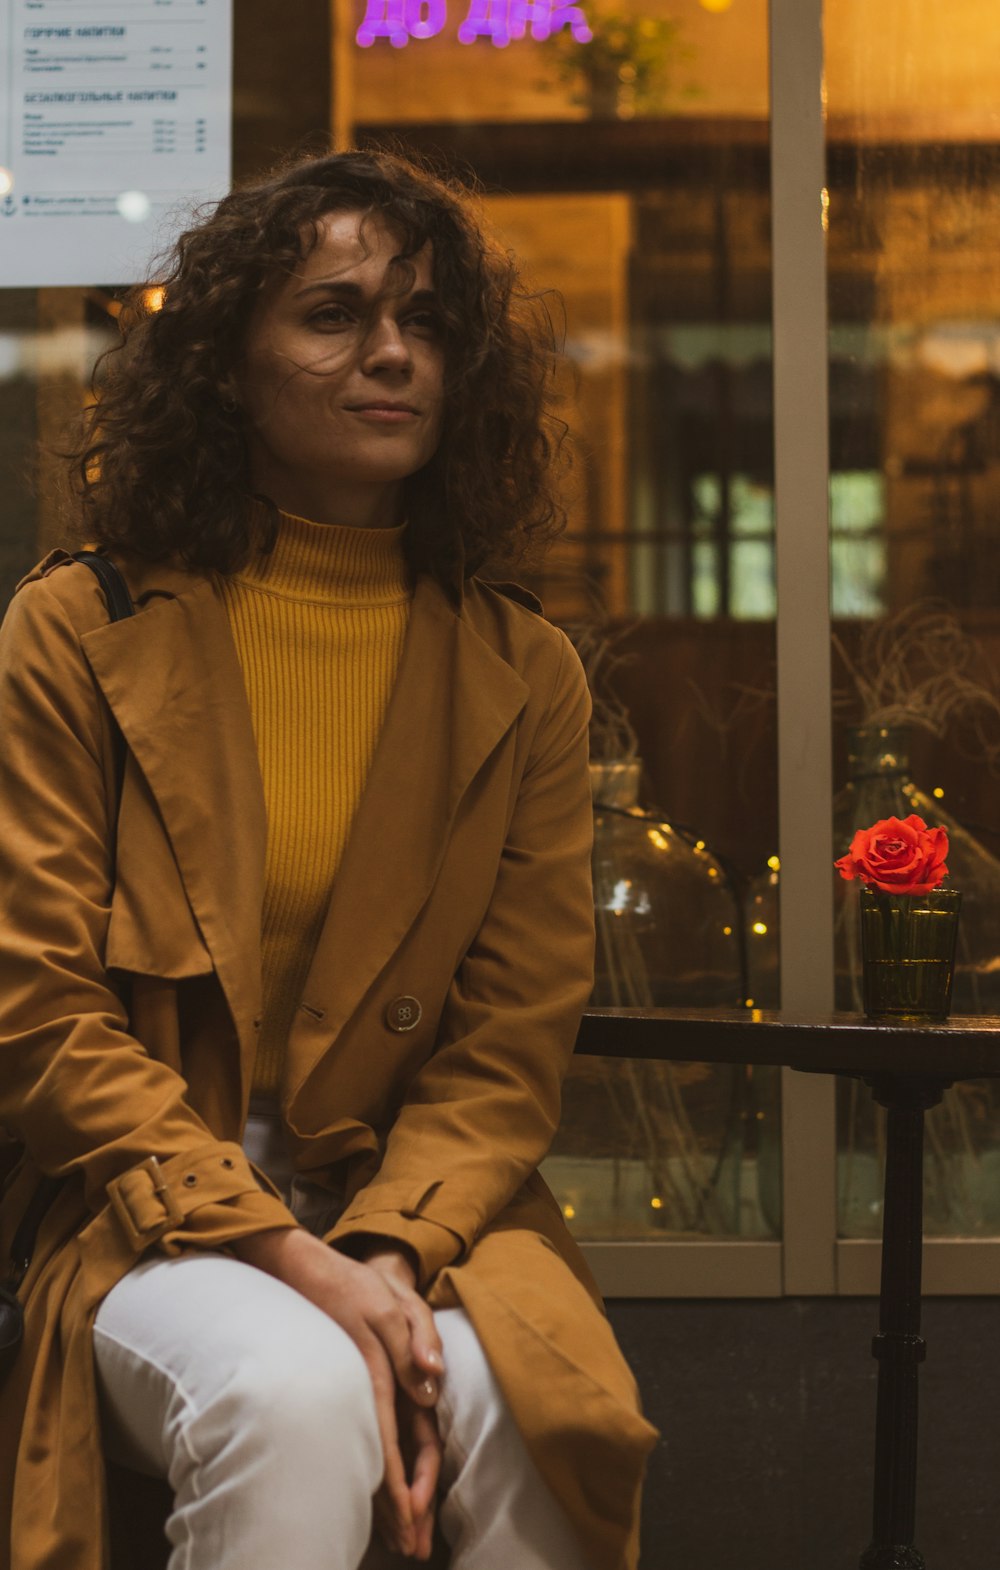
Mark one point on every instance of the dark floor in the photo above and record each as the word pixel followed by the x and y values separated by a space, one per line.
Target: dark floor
pixel 767 1414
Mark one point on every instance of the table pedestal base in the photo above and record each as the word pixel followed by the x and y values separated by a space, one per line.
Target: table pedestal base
pixel 898 1346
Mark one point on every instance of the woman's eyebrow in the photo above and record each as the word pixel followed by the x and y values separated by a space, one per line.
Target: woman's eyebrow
pixel 355 291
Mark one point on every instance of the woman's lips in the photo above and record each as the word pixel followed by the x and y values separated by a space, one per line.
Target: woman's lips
pixel 384 413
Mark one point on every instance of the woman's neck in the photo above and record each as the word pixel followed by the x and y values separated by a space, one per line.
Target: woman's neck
pixel 358 506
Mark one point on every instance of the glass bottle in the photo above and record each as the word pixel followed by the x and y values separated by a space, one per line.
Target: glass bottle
pixel 667 918
pixel 646 1148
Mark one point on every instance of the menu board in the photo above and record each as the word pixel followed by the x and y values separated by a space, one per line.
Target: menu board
pixel 114 122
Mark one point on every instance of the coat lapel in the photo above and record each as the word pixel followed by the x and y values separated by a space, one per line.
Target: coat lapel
pixel 453 701
pixel 172 678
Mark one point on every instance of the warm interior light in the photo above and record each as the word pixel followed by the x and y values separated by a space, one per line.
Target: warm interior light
pixel 153 298
pixel 656 1202
pixel 938 792
pixel 6 181
pixel 715 5
pixel 760 927
pixel 104 302
pixel 774 863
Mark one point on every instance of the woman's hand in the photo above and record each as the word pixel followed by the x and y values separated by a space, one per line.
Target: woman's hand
pixel 370 1306
pixel 419 1441
pixel 394 1265
pixel 420 1447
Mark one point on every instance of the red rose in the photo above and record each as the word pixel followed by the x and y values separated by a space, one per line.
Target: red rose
pixel 897 855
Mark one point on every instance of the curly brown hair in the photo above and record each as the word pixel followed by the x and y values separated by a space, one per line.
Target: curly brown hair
pixel 162 469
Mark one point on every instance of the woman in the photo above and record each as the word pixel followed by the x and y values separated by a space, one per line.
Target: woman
pixel 338 923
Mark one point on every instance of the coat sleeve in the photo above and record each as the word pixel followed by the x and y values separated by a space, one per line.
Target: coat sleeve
pixel 482 1111
pixel 76 1088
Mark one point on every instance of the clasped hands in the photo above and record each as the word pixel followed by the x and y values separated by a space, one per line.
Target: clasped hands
pixel 377 1303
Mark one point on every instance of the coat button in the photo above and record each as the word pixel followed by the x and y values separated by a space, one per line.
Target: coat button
pixel 403 1013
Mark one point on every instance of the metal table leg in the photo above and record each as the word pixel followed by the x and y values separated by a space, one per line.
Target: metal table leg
pixel 898 1346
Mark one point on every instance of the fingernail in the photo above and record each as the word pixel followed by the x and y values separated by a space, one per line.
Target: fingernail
pixel 428 1389
pixel 434 1359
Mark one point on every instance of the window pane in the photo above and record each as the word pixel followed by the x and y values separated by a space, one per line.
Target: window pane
pixel 914 226
pixel 752 578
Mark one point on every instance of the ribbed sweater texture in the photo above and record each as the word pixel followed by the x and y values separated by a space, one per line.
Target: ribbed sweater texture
pixel 319 624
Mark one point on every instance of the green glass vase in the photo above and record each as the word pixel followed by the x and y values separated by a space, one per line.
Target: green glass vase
pixel 908 954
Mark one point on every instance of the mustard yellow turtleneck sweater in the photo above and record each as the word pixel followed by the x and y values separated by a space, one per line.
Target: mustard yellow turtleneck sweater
pixel 319 627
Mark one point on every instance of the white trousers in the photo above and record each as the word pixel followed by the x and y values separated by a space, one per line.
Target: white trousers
pixel 258 1410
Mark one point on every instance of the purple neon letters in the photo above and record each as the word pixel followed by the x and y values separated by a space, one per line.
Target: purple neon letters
pixel 499 21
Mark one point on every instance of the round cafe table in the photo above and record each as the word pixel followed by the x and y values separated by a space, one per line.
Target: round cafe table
pixel 908 1068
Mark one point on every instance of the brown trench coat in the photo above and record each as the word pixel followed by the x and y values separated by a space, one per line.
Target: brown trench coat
pixel 464 885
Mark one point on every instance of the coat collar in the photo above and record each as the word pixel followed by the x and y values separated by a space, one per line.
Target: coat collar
pixel 172 678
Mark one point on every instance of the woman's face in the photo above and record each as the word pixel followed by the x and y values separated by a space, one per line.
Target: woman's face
pixel 342 378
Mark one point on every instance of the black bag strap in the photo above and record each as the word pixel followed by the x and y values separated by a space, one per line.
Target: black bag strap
pixel 111 581
pixel 119 606
pixel 23 1246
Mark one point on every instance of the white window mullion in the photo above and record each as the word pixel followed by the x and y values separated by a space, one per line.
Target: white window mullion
pixel 801 423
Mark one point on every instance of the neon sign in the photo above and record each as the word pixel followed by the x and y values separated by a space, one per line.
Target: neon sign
pixel 499 21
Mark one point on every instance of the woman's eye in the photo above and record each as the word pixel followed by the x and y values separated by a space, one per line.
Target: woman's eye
pixel 424 321
pixel 332 316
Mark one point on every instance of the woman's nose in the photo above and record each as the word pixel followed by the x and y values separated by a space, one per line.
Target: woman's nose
pixel 386 347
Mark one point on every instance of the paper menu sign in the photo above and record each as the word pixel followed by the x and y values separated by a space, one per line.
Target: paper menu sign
pixel 115 120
